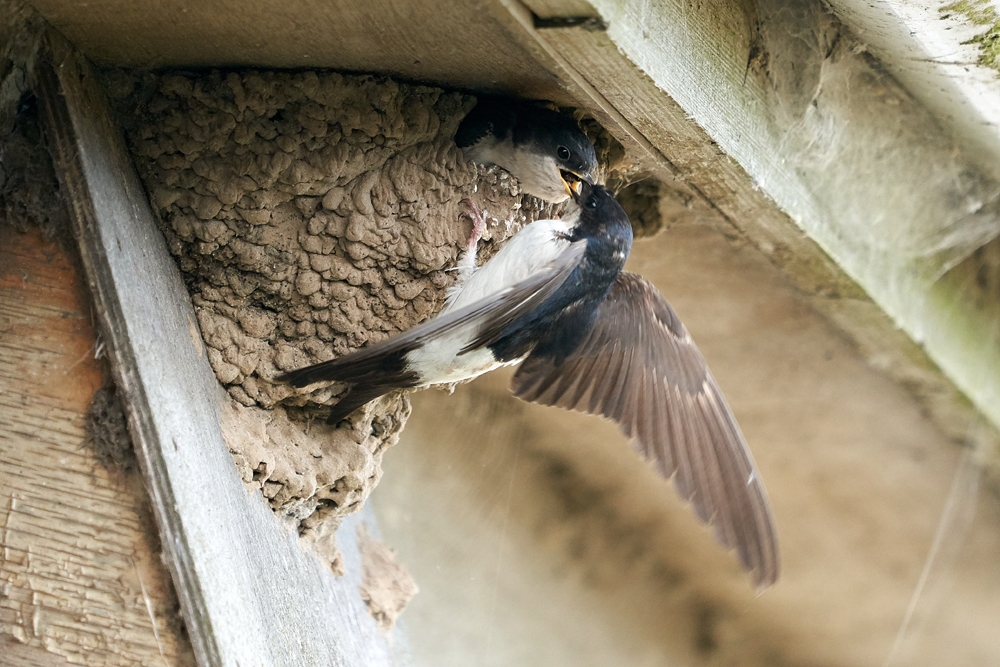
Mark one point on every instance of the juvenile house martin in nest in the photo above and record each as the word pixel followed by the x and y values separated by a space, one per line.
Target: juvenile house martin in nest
pixel 536 144
pixel 590 337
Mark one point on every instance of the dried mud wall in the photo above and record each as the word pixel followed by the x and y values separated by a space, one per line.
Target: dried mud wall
pixel 310 214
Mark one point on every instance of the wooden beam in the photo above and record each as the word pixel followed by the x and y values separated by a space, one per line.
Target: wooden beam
pixel 248 592
pixel 864 219
pixel 79 564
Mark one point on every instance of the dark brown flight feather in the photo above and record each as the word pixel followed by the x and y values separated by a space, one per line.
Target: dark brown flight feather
pixel 380 368
pixel 639 367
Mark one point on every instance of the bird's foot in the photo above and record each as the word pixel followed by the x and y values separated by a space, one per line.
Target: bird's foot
pixel 478 217
pixel 467 262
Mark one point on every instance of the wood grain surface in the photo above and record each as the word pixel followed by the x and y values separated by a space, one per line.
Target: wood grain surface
pixel 80 576
pixel 249 593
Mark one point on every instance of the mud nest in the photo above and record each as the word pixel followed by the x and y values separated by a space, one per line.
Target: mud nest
pixel 310 214
pixel 29 191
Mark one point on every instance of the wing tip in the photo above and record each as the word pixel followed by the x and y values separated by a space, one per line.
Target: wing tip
pixel 298 378
pixel 760 557
pixel 765 576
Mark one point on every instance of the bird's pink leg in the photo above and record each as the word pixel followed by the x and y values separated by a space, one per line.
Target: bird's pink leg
pixel 478 218
pixel 467 262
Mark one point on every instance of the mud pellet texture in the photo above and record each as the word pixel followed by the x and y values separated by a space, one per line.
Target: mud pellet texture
pixel 310 214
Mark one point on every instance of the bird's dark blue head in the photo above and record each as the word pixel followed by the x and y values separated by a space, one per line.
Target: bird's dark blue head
pixel 600 212
pixel 606 228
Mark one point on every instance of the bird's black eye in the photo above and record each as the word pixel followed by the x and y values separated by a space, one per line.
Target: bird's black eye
pixel 591 203
pixel 562 153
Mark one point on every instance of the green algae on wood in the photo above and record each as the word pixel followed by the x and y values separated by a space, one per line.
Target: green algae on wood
pixel 981 13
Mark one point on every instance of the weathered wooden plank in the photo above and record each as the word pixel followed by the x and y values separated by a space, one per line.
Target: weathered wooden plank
pixel 249 594
pixel 842 149
pixel 80 577
pixel 685 151
pixel 941 52
pixel 451 43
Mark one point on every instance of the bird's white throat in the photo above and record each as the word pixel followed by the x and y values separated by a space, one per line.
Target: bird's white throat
pixel 537 175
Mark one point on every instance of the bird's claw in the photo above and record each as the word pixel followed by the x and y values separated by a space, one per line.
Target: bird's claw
pixel 467 262
pixel 478 217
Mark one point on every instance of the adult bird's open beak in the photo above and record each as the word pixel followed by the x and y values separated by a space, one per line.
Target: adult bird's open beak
pixel 572 182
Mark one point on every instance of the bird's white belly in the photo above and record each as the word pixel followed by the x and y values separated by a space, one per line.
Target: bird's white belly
pixel 438 361
pixel 525 254
pixel 532 249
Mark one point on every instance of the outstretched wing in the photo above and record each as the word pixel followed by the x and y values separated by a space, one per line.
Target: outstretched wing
pixel 639 367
